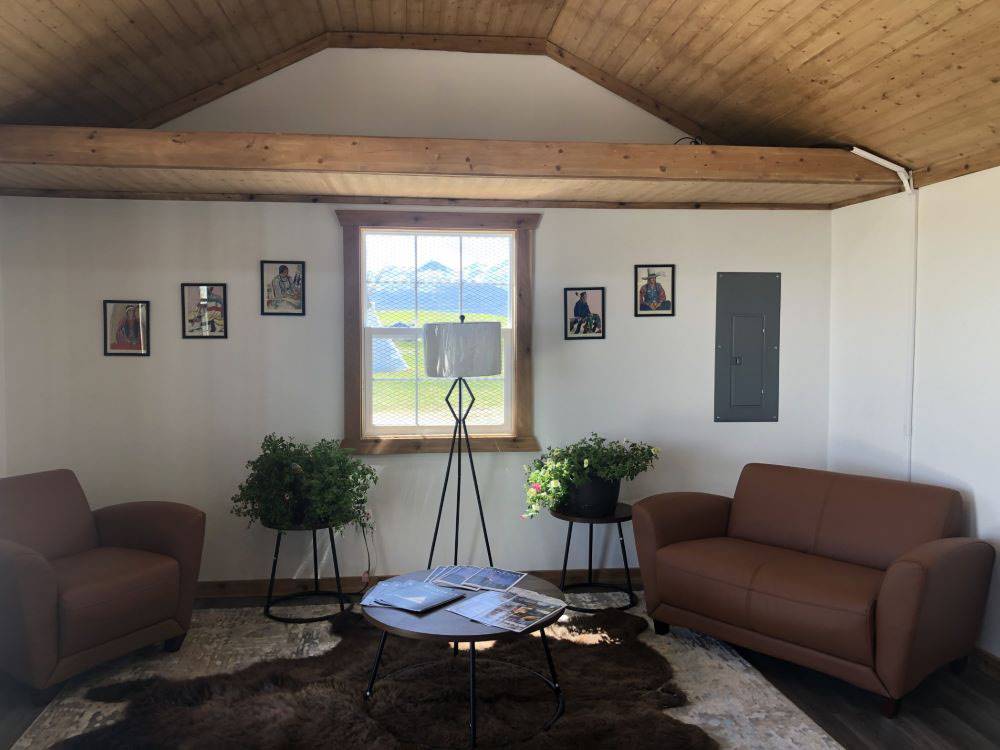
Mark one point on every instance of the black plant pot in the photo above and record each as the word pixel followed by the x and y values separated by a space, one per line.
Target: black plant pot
pixel 594 498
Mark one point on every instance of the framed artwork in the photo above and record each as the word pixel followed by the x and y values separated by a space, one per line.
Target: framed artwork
pixel 282 287
pixel 654 290
pixel 583 312
pixel 204 311
pixel 126 328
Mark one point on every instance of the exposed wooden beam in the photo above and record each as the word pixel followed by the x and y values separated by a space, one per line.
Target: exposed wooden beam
pixel 437 220
pixel 510 45
pixel 381 200
pixel 625 91
pixel 261 152
pixel 869 197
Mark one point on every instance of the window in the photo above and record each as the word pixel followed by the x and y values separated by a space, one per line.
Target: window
pixel 402 270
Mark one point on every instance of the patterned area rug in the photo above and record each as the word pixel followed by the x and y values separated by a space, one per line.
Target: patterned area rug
pixel 727 697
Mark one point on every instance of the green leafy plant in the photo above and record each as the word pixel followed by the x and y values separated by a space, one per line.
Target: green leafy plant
pixel 294 484
pixel 552 476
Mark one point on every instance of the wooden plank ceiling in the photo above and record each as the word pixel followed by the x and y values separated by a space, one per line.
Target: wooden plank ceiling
pixel 916 81
pixel 122 162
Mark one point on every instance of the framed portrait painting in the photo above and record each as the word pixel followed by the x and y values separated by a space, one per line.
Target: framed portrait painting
pixel 282 287
pixel 583 312
pixel 126 328
pixel 654 290
pixel 204 311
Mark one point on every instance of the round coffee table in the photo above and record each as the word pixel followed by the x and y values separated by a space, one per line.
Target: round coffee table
pixel 442 625
pixel 622 514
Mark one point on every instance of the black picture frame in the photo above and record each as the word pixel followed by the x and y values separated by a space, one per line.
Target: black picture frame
pixel 142 303
pixel 263 293
pixel 225 310
pixel 673 291
pixel 567 321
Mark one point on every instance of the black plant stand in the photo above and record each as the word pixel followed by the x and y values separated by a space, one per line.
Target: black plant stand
pixel 622 514
pixel 272 600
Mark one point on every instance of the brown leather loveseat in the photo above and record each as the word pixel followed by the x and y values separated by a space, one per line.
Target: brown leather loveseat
pixel 865 579
pixel 81 587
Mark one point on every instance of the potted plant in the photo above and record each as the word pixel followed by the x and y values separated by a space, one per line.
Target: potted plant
pixel 584 478
pixel 297 486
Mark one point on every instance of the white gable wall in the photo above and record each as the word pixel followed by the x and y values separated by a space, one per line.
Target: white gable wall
pixel 428 94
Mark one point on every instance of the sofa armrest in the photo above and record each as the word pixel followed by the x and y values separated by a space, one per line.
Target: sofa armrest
pixel 29 616
pixel 930 609
pixel 171 529
pixel 669 518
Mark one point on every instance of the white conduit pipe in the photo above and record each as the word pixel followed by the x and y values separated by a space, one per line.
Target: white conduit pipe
pixel 905 175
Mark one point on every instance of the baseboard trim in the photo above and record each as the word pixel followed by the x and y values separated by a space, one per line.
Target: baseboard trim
pixel 258 586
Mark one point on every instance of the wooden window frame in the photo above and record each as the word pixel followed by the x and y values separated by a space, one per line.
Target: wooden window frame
pixel 523 226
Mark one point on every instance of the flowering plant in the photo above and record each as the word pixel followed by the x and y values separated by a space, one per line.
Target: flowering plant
pixel 294 484
pixel 552 476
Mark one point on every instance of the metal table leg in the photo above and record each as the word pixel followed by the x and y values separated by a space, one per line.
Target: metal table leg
pixel 569 537
pixel 272 600
pixel 628 574
pixel 632 600
pixel 472 694
pixel 560 699
pixel 378 658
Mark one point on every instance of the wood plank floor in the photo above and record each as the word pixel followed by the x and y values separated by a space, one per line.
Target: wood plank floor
pixel 946 711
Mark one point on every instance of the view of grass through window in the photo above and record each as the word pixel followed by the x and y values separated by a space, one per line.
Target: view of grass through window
pixel 417 278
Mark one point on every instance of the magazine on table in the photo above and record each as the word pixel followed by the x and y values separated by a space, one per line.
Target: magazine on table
pixel 409 595
pixel 516 610
pixel 454 576
pixel 473 578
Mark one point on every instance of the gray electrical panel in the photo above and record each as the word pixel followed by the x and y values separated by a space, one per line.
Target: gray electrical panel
pixel 747 329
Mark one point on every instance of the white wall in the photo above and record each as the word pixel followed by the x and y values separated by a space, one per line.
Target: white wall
pixel 434 95
pixel 871 336
pixel 181 423
pixel 956 401
pixel 956 405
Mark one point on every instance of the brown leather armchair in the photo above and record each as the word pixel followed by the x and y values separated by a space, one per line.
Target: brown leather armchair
pixel 81 587
pixel 865 579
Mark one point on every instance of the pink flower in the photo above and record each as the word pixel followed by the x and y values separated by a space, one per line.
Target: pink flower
pixel 536 487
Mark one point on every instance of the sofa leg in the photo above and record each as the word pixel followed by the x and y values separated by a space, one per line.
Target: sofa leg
pixel 958 666
pixel 172 645
pixel 660 628
pixel 44 696
pixel 890 707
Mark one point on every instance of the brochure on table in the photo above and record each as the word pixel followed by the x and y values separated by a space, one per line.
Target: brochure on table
pixel 491 596
pixel 516 610
pixel 475 579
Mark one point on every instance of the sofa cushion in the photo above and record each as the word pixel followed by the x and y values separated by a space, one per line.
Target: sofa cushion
pixel 862 520
pixel 107 592
pixel 712 576
pixel 818 603
pixel 811 601
pixel 780 505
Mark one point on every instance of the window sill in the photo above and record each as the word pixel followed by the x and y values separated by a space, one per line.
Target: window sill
pixel 480 444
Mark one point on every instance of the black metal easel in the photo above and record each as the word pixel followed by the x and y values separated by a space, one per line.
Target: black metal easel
pixel 460 430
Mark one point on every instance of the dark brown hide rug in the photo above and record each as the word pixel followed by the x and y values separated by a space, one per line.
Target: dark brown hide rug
pixel 615 686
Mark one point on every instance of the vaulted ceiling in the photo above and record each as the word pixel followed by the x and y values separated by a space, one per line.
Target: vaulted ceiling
pixel 916 81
